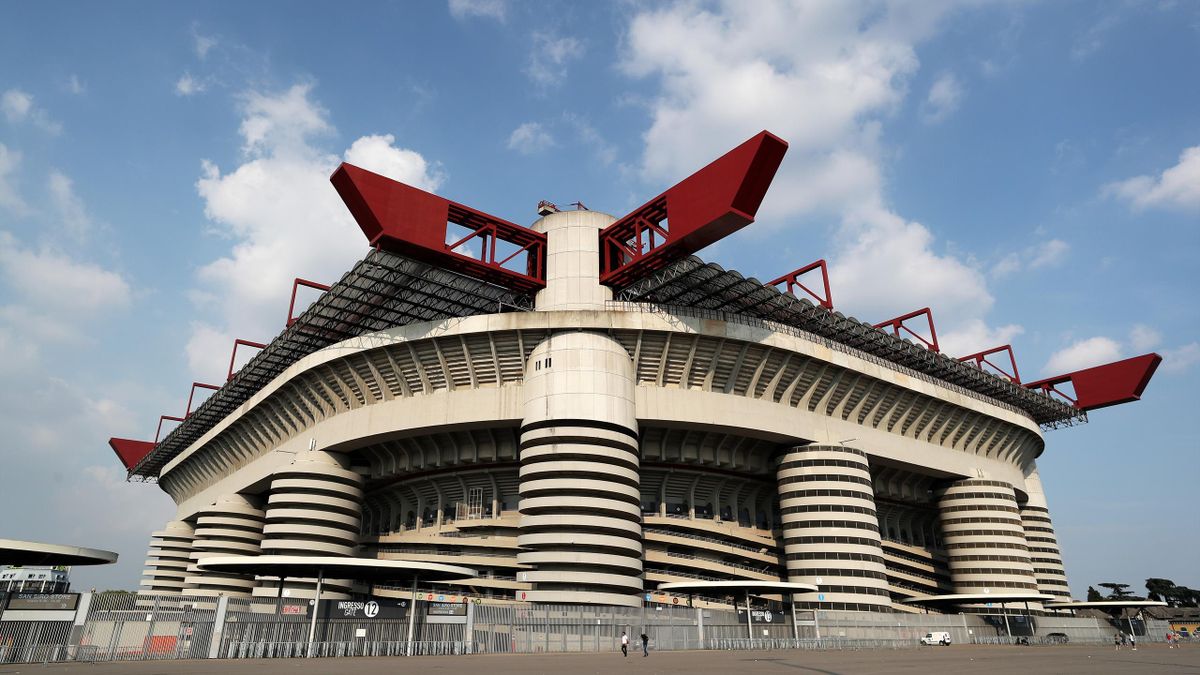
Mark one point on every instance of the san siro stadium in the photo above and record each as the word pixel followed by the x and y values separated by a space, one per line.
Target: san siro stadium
pixel 584 412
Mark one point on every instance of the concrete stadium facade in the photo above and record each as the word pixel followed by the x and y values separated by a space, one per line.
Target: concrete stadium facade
pixel 586 450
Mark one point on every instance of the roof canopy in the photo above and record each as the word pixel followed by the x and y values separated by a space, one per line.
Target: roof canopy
pixel 357 569
pixel 744 585
pixel 977 598
pixel 13 552
pixel 1105 604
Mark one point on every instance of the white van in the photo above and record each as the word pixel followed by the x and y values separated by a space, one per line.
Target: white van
pixel 940 638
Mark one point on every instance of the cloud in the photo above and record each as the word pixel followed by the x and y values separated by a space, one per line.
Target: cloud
pixel 975 335
pixel 491 9
pixel 18 107
pixel 1181 359
pixel 943 99
pixel 71 211
pixel 187 85
pixel 74 85
pixel 548 59
pixel 604 152
pixel 52 280
pixel 1143 338
pixel 283 217
pixel 1082 354
pixel 1047 253
pixel 1092 39
pixel 1177 187
pixel 10 199
pixel 530 138
pixel 202 44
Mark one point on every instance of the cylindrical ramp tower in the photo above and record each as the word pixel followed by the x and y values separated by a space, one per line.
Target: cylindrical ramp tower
pixel 830 528
pixel 167 560
pixel 580 504
pixel 1044 551
pixel 231 526
pixel 315 509
pixel 985 538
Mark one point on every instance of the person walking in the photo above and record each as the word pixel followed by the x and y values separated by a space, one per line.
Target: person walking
pixel 645 644
pixel 1117 641
pixel 1132 642
pixel 624 644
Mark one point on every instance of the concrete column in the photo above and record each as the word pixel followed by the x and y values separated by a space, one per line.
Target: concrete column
pixel 580 527
pixel 231 526
pixel 314 508
pixel 573 261
pixel 1044 552
pixel 167 560
pixel 985 538
pixel 830 528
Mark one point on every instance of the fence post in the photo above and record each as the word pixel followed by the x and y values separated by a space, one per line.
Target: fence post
pixel 218 628
pixel 700 626
pixel 469 630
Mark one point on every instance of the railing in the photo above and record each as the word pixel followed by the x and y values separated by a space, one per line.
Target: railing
pixel 711 540
pixel 291 650
pixel 808 643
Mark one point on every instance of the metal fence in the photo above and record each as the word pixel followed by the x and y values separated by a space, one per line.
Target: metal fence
pixel 110 627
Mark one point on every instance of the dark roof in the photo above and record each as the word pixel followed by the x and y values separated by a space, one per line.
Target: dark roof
pixel 691 284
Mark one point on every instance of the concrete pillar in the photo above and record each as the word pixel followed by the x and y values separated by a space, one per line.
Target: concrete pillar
pixel 314 509
pixel 580 526
pixel 1044 552
pixel 233 525
pixel 830 528
pixel 985 538
pixel 167 560
pixel 573 261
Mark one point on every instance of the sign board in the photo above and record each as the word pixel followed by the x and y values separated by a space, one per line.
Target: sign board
pixel 446 609
pixel 762 616
pixel 293 609
pixel 374 608
pixel 47 601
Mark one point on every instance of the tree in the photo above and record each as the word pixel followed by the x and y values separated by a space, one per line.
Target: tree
pixel 1094 595
pixel 1159 588
pixel 1118 591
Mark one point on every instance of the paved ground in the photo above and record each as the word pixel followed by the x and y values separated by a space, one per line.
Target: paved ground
pixel 981 660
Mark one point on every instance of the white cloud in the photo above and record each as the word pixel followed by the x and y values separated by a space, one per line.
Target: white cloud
pixel 1082 354
pixel 1177 187
pixel 187 85
pixel 10 199
pixel 824 78
pixel 492 9
pixel 530 138
pixel 548 59
pixel 284 218
pixel 974 336
pixel 202 44
pixel 1142 338
pixel 75 219
pixel 1047 253
pixel 74 85
pixel 604 152
pixel 18 107
pixel 52 280
pixel 945 95
pixel 1181 359
pixel 1092 39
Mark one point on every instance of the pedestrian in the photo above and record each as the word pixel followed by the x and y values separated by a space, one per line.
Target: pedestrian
pixel 645 644
pixel 624 644
pixel 1132 642
pixel 1117 641
pixel 1170 638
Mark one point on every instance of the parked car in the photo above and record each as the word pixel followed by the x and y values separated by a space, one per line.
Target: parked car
pixel 1058 638
pixel 936 638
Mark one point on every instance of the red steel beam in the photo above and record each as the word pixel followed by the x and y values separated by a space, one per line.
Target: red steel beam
pixel 188 411
pixel 160 421
pixel 246 343
pixel 981 358
pixel 712 203
pixel 130 452
pixel 412 222
pixel 793 281
pixel 897 325
pixel 295 287
pixel 1106 385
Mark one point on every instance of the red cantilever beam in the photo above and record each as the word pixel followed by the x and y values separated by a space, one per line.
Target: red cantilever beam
pixel 188 411
pixel 247 343
pixel 712 203
pixel 1102 386
pixel 793 281
pixel 981 358
pixel 130 452
pixel 897 325
pixel 158 432
pixel 292 304
pixel 408 221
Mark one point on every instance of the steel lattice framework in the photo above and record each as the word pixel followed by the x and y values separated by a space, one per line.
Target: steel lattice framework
pixel 692 283
pixel 382 291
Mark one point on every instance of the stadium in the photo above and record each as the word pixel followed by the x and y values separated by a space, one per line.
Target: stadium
pixel 583 411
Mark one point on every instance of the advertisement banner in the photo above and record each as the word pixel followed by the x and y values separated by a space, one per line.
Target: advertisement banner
pixel 374 608
pixel 47 601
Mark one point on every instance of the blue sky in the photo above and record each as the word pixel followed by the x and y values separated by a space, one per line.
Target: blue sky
pixel 1031 171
